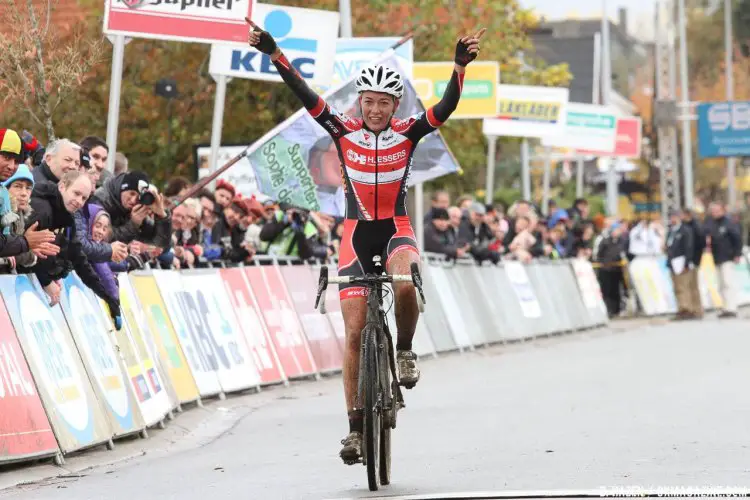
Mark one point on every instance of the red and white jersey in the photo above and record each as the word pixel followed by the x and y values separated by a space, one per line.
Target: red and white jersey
pixel 375 167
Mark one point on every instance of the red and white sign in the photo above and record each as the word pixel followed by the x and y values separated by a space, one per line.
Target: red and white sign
pixel 281 321
pixel 324 347
pixel 25 430
pixel 251 323
pixel 202 21
pixel 628 143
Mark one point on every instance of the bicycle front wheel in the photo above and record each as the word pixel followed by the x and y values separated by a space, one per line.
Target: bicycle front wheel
pixel 371 411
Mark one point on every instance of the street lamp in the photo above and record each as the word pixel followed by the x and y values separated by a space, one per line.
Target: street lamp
pixel 167 88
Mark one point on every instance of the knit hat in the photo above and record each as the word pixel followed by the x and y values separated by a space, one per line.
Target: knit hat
pixel 22 174
pixel 253 206
pixel 238 205
pixel 222 184
pixel 132 181
pixel 10 142
pixel 440 214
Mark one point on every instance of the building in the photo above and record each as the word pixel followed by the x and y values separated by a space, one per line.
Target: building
pixel 573 41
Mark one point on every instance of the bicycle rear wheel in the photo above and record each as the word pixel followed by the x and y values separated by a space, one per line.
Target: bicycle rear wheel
pixel 371 422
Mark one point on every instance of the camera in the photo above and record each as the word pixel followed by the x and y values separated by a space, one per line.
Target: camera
pixel 145 196
pixel 85 158
pixel 299 218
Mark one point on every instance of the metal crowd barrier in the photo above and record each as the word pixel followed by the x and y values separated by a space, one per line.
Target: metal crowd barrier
pixel 71 381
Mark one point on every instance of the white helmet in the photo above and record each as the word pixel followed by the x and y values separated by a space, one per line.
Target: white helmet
pixel 380 78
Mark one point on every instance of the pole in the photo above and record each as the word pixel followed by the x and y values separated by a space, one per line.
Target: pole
pixel 113 114
pixel 491 152
pixel 612 186
pixel 525 170
pixel 218 120
pixel 729 77
pixel 579 177
pixel 345 12
pixel 545 180
pixel 687 140
pixel 597 80
pixel 419 215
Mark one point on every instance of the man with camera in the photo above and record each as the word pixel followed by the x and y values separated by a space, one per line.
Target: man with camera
pixel 136 208
pixel 290 233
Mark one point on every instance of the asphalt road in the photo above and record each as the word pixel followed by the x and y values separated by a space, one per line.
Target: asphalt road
pixel 657 405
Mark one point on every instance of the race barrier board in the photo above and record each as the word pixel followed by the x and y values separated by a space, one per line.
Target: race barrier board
pixel 165 338
pixel 254 330
pixel 278 315
pixel 93 338
pixel 25 431
pixel 76 415
pixel 144 367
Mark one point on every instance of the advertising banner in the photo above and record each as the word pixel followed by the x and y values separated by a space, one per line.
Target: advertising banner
pixel 587 126
pixel 709 281
pixel 164 335
pixel 333 305
pixel 302 288
pixel 448 301
pixel 307 37
pixel 64 388
pixel 92 337
pixel 202 21
pixel 254 331
pixel 479 93
pixel 25 431
pixel 526 111
pixel 199 354
pixel 353 54
pixel 628 139
pixel 146 376
pixel 298 163
pixel 280 320
pixel 216 331
pixel 723 129
pixel 524 291
pixel 588 285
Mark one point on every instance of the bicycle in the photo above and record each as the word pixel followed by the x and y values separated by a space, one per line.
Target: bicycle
pixel 378 390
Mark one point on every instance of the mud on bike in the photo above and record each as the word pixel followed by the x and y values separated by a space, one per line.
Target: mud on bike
pixel 378 390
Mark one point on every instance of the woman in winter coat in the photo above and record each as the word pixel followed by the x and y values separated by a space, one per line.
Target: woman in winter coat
pixel 19 188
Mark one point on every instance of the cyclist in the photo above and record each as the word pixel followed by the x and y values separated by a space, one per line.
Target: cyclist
pixel 375 152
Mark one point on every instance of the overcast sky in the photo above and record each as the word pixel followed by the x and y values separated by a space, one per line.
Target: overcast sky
pixel 640 12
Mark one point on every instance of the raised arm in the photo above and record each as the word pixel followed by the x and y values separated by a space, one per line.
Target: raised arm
pixel 264 42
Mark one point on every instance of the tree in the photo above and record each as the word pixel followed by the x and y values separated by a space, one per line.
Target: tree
pixel 43 65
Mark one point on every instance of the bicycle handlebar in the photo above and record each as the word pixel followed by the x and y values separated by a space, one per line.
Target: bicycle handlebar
pixel 364 280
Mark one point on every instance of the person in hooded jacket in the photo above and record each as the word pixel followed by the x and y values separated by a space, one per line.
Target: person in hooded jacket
pixel 53 207
pixel 19 187
pixel 131 220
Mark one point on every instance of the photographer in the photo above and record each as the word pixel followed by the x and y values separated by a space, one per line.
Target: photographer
pixel 289 233
pixel 137 209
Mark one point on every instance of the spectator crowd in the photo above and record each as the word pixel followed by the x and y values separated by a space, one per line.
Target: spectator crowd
pixel 62 210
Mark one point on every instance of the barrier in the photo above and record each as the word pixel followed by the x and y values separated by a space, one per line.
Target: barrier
pixel 74 412
pixel 192 334
pixel 147 376
pixel 255 334
pixel 590 292
pixel 91 335
pixel 25 430
pixel 165 338
pixel 325 349
pixel 289 342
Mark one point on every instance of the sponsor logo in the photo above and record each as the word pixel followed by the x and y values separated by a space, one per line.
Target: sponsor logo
pixel 184 4
pixel 333 128
pixel 362 159
pixel 279 24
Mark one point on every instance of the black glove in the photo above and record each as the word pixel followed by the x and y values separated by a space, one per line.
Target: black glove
pixel 267 44
pixel 114 312
pixel 463 56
